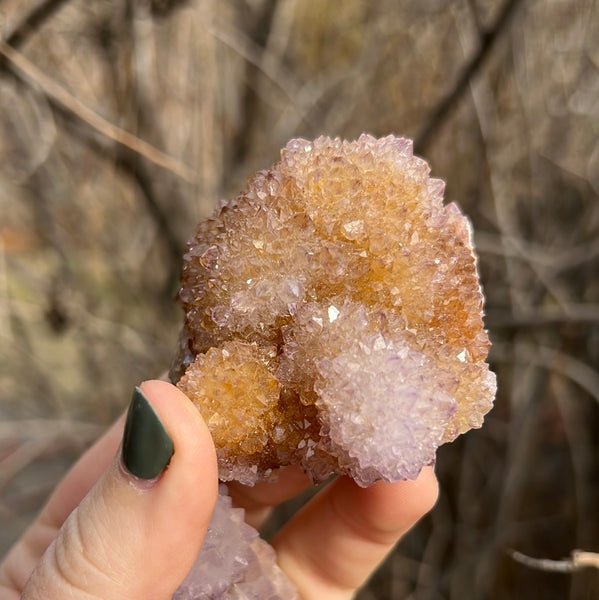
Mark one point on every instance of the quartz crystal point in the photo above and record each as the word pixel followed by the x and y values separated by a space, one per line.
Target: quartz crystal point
pixel 234 562
pixel 334 317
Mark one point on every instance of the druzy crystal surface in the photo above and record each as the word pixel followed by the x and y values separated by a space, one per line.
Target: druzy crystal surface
pixel 234 562
pixel 334 317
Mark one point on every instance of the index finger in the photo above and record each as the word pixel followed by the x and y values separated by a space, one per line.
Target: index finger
pixel 333 545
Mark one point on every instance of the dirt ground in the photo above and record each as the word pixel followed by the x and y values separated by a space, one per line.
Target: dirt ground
pixel 123 122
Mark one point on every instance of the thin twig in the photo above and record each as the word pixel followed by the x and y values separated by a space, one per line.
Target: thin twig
pixel 539 316
pixel 453 97
pixel 554 258
pixel 128 162
pixel 85 114
pixel 33 21
pixel 135 169
pixel 552 360
pixel 579 559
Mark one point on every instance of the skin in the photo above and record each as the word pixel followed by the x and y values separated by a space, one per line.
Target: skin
pixel 105 534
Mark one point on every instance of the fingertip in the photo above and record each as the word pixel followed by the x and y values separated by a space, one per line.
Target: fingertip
pixel 387 510
pixel 186 493
pixel 427 486
pixel 174 509
pixel 193 462
pixel 181 419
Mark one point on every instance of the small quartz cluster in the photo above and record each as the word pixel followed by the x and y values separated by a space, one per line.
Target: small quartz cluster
pixel 234 562
pixel 334 317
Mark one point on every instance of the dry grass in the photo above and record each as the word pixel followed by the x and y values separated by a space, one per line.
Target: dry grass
pixel 502 97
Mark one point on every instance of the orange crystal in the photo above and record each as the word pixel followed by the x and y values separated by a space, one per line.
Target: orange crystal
pixel 334 317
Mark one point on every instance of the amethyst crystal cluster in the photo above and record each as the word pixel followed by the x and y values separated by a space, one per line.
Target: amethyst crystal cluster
pixel 333 318
pixel 234 563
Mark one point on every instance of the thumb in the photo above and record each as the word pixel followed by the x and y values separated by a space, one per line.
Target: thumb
pixel 138 531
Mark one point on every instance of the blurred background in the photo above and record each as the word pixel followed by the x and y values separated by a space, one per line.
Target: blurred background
pixel 123 122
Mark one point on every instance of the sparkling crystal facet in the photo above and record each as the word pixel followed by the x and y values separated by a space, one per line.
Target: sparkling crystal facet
pixel 334 317
pixel 234 562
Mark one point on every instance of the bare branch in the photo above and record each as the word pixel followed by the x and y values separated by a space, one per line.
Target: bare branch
pixel 453 97
pixel 92 118
pixel 544 315
pixel 33 21
pixel 579 559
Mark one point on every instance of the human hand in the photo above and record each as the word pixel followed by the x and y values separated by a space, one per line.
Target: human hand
pixel 108 534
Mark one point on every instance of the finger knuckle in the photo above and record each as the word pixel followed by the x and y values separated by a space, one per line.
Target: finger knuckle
pixel 76 561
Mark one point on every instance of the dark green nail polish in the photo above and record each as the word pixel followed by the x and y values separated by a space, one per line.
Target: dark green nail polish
pixel 147 447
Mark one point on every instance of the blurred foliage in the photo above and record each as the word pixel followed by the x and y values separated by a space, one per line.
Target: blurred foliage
pixel 502 98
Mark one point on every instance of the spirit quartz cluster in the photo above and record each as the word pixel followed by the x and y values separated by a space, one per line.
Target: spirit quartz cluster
pixel 334 321
pixel 334 317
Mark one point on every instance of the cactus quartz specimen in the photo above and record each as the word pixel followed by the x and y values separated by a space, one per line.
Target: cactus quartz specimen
pixel 234 562
pixel 334 317
pixel 333 320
